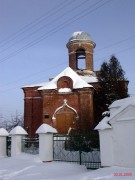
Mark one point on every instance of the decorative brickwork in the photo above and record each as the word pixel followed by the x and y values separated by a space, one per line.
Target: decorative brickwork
pixel 40 105
pixel 72 50
pixel 65 82
pixel 40 109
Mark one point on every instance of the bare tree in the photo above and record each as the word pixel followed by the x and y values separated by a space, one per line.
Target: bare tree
pixel 14 121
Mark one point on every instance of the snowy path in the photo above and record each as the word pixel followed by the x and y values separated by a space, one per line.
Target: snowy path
pixel 30 167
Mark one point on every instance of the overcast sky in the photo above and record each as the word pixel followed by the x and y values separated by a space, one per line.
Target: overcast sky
pixel 34 33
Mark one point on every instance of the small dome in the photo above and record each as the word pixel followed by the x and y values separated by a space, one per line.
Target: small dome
pixel 80 35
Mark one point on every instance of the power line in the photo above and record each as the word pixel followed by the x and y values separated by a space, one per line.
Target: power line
pixel 56 29
pixel 127 49
pixel 34 74
pixel 97 7
pixel 50 22
pixel 116 43
pixel 124 50
pixel 36 22
pixel 9 89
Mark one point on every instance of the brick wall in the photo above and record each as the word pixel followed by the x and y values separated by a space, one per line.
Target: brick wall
pixel 73 47
pixel 40 107
pixel 32 109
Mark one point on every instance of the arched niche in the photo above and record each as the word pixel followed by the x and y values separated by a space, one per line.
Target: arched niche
pixel 65 82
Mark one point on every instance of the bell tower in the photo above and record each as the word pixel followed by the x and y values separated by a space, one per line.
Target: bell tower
pixel 80 50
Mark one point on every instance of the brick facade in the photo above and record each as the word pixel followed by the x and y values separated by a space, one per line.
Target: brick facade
pixel 32 109
pixel 41 106
pixel 87 47
pixel 40 109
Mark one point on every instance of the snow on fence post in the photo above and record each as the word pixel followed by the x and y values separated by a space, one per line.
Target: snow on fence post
pixel 3 142
pixel 46 142
pixel 16 140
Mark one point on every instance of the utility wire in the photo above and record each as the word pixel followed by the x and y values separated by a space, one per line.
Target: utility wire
pixel 56 29
pixel 54 20
pixel 36 22
pixel 102 48
pixel 116 43
pixel 124 50
pixel 127 49
pixel 30 82
pixel 34 74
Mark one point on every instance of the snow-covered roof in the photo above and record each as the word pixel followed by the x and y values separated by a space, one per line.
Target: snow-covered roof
pixel 121 106
pixel 121 102
pixel 103 124
pixel 3 132
pixel 77 81
pixel 89 79
pixel 45 128
pixel 80 35
pixel 67 72
pixel 18 130
pixel 36 85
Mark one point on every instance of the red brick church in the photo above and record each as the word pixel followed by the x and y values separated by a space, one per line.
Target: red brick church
pixel 66 101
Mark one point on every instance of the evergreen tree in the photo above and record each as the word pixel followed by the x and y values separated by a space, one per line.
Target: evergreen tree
pixel 113 84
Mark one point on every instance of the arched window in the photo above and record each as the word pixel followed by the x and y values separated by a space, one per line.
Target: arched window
pixel 81 59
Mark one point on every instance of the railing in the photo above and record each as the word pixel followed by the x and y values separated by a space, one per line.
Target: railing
pixel 30 145
pixel 81 149
pixel 9 146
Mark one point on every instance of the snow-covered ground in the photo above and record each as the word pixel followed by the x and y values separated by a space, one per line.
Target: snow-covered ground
pixel 29 167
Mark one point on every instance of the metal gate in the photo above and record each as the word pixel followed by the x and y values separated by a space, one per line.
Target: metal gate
pixel 30 145
pixel 82 149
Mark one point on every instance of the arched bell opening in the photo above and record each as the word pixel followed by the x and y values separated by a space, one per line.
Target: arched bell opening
pixel 81 59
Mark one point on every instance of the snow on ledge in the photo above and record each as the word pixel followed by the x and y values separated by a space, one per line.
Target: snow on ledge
pixel 3 132
pixel 64 90
pixel 89 79
pixel 45 128
pixel 103 124
pixel 18 130
pixel 36 85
